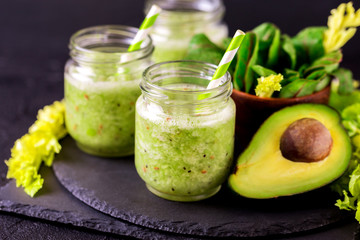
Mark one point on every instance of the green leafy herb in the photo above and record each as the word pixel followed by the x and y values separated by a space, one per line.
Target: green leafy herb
pixel 309 44
pixel 345 81
pixel 340 102
pixel 261 71
pixel 289 50
pixel 265 33
pixel 289 76
pixel 274 51
pixel 247 57
pixel 308 61
pixel 348 185
pixel 351 119
pixel 298 88
pixel 323 83
pixel 202 49
pixel 328 63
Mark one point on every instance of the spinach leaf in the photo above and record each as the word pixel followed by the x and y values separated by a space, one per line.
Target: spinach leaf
pixel 247 56
pixel 262 71
pixel 289 48
pixel 309 45
pixel 202 49
pixel 265 33
pixel 274 51
pixel 316 75
pixel 328 63
pixel 298 88
pixel 323 83
pixel 345 81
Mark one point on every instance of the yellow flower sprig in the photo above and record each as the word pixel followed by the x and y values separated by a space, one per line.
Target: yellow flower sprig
pixel 37 146
pixel 342 25
pixel 267 85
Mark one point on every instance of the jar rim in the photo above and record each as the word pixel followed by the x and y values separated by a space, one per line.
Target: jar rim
pixel 209 65
pixel 79 48
pixel 183 75
pixel 199 12
pixel 159 80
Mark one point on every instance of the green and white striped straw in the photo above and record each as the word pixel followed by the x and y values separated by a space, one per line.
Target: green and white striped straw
pixel 145 28
pixel 226 59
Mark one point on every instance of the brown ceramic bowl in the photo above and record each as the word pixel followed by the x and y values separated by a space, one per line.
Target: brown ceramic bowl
pixel 252 111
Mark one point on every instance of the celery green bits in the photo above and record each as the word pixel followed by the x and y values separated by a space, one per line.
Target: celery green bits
pixel 39 145
pixel 267 85
pixel 348 185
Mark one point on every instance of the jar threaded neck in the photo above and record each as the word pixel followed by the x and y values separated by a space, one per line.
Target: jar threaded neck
pixel 107 44
pixel 183 83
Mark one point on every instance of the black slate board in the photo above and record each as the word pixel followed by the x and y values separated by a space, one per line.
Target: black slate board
pixel 112 186
pixel 54 203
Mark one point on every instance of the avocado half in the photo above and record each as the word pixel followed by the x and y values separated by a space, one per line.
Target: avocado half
pixel 263 172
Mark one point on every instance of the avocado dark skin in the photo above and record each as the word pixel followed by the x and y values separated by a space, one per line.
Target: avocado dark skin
pixel 297 149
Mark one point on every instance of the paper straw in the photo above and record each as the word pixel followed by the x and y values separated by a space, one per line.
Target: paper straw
pixel 145 28
pixel 226 59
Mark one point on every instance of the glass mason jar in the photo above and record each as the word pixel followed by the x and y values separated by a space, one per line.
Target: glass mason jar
pixel 180 20
pixel 101 88
pixel 184 138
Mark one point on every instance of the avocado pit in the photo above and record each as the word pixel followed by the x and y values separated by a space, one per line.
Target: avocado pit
pixel 306 140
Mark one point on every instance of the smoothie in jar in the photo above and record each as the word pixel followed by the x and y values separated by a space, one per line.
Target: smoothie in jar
pixel 101 89
pixel 100 116
pixel 184 146
pixel 180 20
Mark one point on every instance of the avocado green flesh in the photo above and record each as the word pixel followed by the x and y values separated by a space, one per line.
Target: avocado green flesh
pixel 262 171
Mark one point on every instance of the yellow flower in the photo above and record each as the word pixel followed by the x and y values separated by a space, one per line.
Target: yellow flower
pixel 342 25
pixel 267 85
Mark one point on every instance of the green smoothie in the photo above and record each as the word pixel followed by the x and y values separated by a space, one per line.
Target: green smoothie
pixel 178 23
pixel 101 88
pixel 183 157
pixel 175 46
pixel 100 115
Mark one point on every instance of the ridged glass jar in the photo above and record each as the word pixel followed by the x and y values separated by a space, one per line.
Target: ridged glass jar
pixel 101 88
pixel 184 137
pixel 180 20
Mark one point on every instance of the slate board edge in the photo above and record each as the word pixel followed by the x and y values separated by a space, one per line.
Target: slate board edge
pixel 279 230
pixel 39 212
pixel 97 224
pixel 83 195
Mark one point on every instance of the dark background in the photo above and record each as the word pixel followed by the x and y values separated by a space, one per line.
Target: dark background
pixel 33 50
